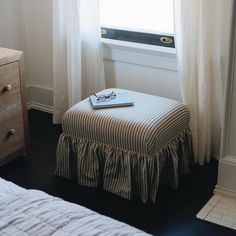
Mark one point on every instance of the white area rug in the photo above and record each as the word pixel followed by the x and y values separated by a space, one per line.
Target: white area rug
pixel 220 210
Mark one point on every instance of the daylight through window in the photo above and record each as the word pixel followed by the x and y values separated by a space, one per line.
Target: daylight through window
pixel 142 21
pixel 150 16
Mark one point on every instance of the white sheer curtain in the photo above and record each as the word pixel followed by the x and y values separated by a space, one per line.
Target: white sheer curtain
pixel 202 29
pixel 77 56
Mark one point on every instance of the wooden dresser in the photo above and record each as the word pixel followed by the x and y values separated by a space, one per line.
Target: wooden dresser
pixel 13 113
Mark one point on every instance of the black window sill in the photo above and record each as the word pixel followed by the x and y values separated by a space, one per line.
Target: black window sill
pixel 139 37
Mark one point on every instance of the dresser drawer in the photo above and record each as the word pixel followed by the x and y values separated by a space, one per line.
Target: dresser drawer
pixel 9 85
pixel 11 131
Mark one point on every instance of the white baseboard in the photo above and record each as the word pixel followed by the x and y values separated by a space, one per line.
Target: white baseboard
pixel 40 107
pixel 226 184
pixel 219 190
pixel 40 98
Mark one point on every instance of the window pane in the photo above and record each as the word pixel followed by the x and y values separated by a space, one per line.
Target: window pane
pixel 152 16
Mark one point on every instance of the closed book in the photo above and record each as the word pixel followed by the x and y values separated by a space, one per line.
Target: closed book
pixel 121 99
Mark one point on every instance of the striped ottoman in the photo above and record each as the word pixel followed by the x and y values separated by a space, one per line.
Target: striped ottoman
pixel 124 149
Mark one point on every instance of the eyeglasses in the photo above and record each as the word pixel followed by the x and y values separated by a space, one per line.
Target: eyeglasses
pixel 102 98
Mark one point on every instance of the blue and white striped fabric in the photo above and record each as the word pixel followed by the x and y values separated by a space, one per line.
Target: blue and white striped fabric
pixel 124 149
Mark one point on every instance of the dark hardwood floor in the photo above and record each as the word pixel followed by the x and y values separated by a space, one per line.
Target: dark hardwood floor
pixel 173 214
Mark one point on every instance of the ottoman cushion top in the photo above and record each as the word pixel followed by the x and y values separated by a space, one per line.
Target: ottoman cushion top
pixel 143 128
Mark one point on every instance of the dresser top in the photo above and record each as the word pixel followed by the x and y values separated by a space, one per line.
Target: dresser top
pixel 9 55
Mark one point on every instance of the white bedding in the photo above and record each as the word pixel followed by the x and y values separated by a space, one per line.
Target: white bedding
pixel 32 212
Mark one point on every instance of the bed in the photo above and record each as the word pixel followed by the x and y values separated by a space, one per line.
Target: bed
pixel 124 150
pixel 32 212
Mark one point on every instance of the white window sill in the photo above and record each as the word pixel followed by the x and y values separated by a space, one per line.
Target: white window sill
pixel 111 43
pixel 140 54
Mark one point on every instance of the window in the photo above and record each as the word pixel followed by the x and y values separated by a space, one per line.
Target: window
pixel 143 21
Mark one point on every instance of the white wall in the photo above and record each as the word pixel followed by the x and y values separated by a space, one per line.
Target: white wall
pixel 232 130
pixel 27 25
pixel 226 184
pixel 142 78
pixel 142 68
pixel 12 32
pixel 38 31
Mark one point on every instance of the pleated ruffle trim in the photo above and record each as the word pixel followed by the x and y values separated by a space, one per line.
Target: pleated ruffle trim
pixel 121 171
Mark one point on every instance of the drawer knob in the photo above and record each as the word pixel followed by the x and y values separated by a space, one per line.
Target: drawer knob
pixel 11 131
pixel 8 88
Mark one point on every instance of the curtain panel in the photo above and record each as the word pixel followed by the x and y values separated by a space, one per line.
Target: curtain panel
pixel 202 35
pixel 77 54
